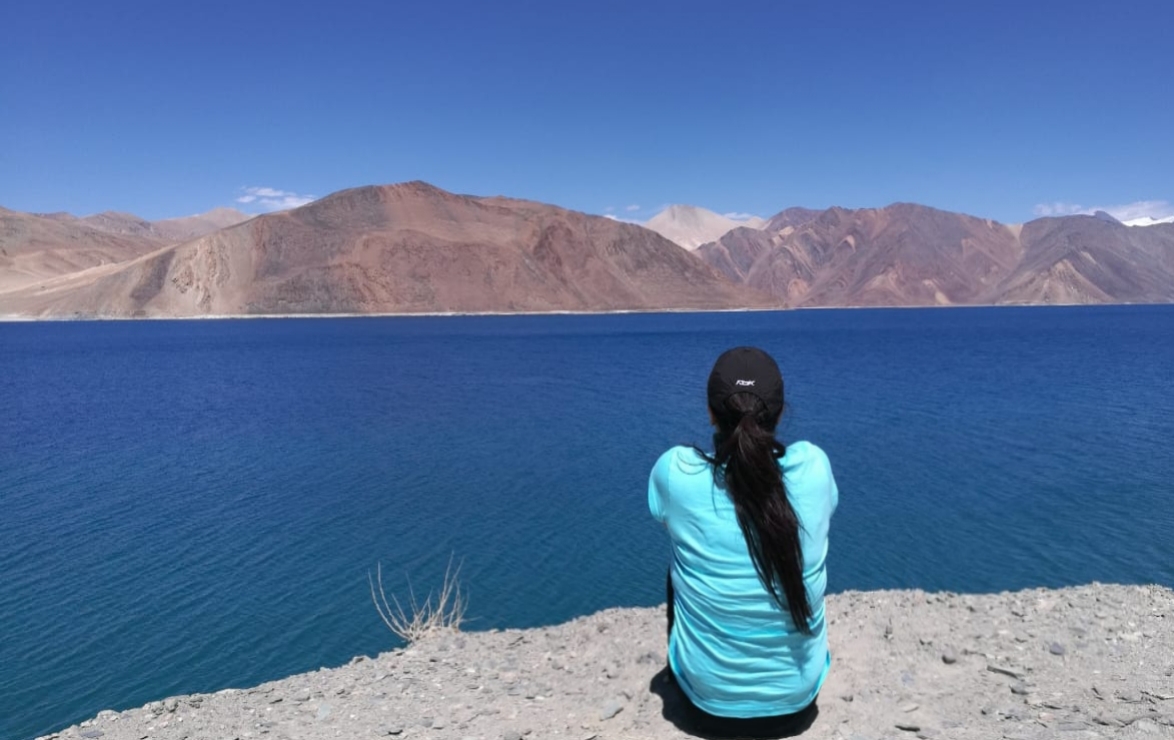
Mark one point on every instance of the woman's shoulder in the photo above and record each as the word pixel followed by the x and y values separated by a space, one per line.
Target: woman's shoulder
pixel 803 454
pixel 680 459
pixel 681 455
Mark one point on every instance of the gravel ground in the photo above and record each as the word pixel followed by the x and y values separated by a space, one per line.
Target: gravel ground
pixel 1087 662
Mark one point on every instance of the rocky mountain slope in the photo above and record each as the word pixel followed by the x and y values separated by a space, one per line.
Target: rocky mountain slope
pixel 400 248
pixel 912 255
pixel 38 250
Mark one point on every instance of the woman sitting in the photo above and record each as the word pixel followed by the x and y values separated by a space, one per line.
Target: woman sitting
pixel 749 530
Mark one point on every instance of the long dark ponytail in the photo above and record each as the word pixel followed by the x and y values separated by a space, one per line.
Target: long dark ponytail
pixel 746 457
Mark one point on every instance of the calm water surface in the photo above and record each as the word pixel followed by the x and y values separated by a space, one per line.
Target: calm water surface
pixel 188 506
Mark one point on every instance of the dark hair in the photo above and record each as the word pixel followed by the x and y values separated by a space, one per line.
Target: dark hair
pixel 746 457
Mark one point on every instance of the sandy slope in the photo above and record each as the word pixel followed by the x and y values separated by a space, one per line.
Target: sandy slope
pixel 1088 662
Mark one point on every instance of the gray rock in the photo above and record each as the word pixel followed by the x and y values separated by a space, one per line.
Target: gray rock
pixel 1147 726
pixel 393 729
pixel 323 711
pixel 949 657
pixel 1056 649
pixel 511 735
pixel 610 709
pixel 92 733
pixel 908 726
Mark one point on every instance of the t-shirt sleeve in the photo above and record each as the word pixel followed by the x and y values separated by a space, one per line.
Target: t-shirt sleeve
pixel 833 489
pixel 658 486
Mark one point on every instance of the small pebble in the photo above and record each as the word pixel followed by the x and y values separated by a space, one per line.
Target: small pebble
pixel 949 657
pixel 1056 649
pixel 1147 726
pixel 610 709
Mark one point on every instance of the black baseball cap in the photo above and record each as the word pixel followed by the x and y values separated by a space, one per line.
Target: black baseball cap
pixel 746 370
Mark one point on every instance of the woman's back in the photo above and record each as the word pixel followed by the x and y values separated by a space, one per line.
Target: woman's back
pixel 733 649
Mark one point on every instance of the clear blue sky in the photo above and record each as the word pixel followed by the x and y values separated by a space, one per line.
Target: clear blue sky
pixel 1000 109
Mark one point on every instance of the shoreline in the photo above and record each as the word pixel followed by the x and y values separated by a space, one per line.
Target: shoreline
pixel 19 319
pixel 1090 661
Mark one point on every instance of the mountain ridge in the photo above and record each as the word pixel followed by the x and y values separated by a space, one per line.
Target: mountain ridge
pixel 910 254
pixel 402 248
pixel 412 247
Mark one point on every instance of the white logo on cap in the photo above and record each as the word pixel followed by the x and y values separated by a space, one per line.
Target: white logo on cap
pixel 744 382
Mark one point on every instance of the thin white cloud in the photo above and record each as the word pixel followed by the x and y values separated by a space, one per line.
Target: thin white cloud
pixel 614 217
pixel 632 208
pixel 272 199
pixel 1057 209
pixel 739 216
pixel 1155 210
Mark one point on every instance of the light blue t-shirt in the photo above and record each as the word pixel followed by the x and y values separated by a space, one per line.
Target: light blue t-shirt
pixel 734 652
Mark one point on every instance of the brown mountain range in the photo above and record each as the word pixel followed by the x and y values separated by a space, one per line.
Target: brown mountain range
pixel 413 248
pixel 912 255
pixel 399 248
pixel 37 249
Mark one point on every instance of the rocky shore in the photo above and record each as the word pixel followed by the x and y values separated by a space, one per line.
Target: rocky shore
pixel 1088 662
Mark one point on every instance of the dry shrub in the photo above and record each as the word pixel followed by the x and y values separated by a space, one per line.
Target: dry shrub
pixel 440 613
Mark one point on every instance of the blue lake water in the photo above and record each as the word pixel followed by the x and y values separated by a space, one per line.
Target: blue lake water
pixel 188 506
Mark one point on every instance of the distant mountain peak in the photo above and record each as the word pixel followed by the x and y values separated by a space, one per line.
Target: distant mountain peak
pixel 691 226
